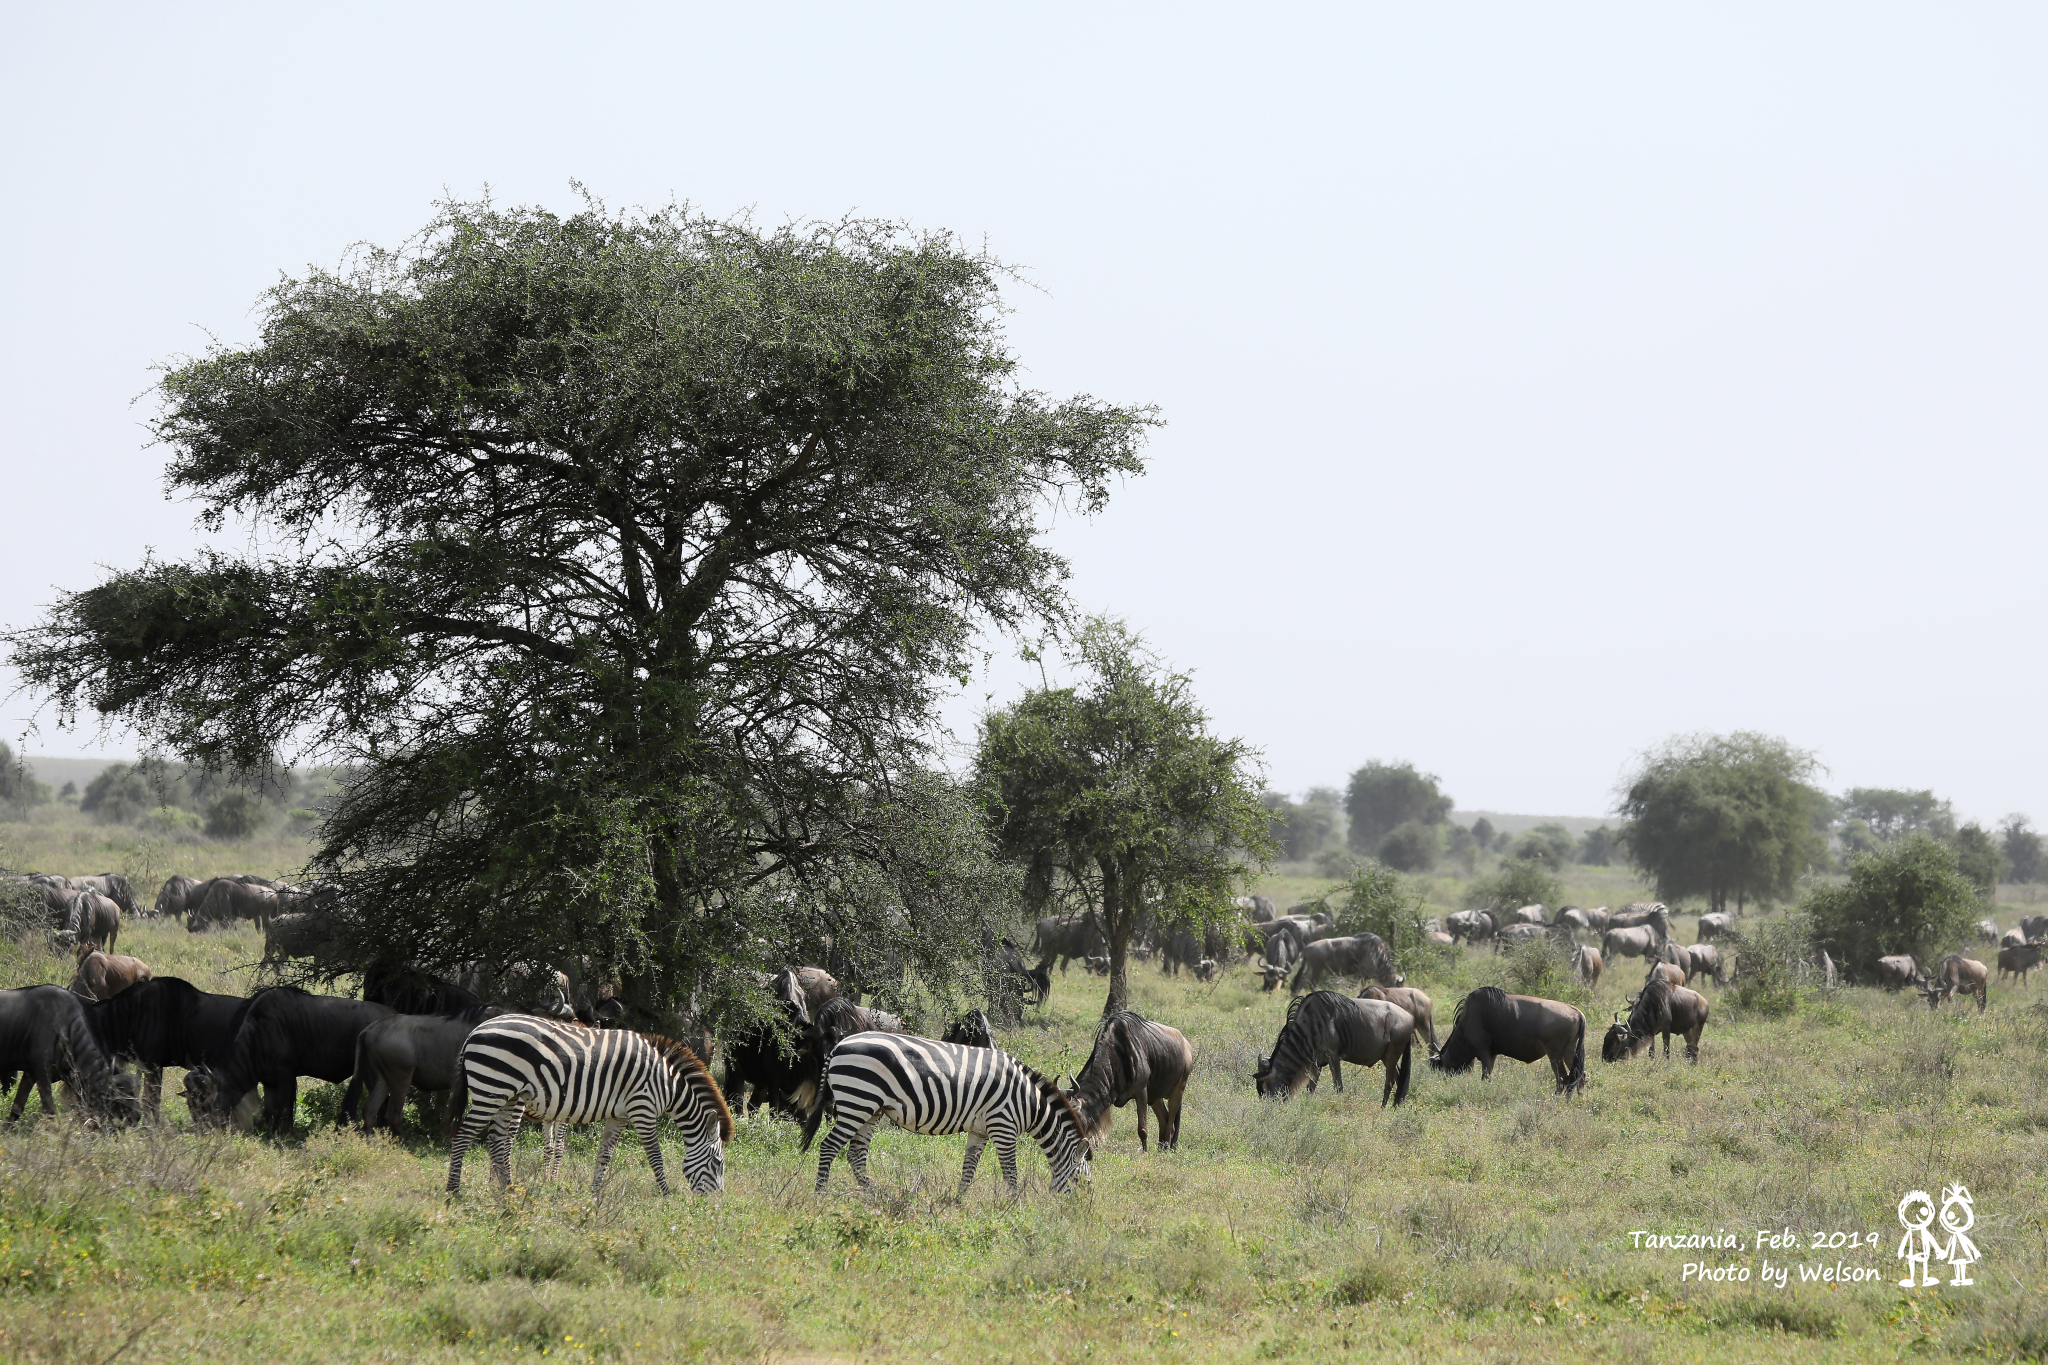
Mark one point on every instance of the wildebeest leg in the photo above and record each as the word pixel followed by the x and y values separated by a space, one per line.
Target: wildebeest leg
pixel 1387 1065
pixel 1139 1101
pixel 857 1150
pixel 394 1105
pixel 280 1106
pixel 1337 1073
pixel 975 1142
pixel 1168 1116
pixel 1005 1138
pixel 1485 1063
pixel 21 1097
pixel 153 1090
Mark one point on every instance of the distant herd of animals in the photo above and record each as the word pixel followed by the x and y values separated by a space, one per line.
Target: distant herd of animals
pixel 508 1044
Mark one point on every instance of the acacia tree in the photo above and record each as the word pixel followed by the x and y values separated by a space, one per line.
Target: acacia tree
pixel 1383 796
pixel 1115 796
pixel 620 557
pixel 1728 817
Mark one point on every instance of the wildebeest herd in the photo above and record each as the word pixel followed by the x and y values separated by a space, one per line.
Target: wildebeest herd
pixel 503 1044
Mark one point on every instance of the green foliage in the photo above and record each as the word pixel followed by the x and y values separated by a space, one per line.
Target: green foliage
pixel 1763 957
pixel 1599 848
pixel 1411 847
pixel 19 789
pixel 1906 897
pixel 121 794
pixel 1977 857
pixel 1519 882
pixel 1304 829
pixel 1532 847
pixel 1383 796
pixel 1728 817
pixel 1893 813
pixel 1462 847
pixel 623 557
pixel 1116 794
pixel 2025 856
pixel 1543 967
pixel 1483 833
pixel 1376 899
pixel 235 816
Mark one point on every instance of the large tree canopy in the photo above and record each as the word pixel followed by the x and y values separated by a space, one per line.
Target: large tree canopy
pixel 1119 800
pixel 622 556
pixel 1728 817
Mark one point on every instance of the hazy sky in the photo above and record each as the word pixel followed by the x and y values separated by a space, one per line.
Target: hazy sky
pixel 1542 380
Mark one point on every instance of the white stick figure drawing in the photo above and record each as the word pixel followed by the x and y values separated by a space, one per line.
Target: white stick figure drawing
pixel 1958 1215
pixel 1918 1243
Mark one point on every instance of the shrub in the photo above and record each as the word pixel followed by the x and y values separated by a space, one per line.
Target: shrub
pixel 1543 968
pixel 235 816
pixel 1378 900
pixel 1905 897
pixel 1766 980
pixel 119 795
pixel 1519 882
pixel 1412 847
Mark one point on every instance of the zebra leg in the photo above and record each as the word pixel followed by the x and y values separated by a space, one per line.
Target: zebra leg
pixel 554 1146
pixel 612 1129
pixel 843 1129
pixel 1005 1138
pixel 466 1133
pixel 975 1143
pixel 503 1125
pixel 857 1150
pixel 650 1143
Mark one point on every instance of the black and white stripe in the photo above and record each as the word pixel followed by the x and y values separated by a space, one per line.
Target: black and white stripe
pixel 936 1088
pixel 519 1065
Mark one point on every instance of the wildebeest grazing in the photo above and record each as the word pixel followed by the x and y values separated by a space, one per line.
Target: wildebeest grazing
pixel 45 1037
pixel 405 1052
pixel 1515 935
pixel 2018 961
pixel 1326 1029
pixel 1206 969
pixel 1714 926
pixel 1491 1023
pixel 1670 972
pixel 1587 964
pixel 1959 973
pixel 1987 931
pixel 1364 956
pixel 1418 1005
pixel 1640 941
pixel 93 918
pixel 2033 927
pixel 227 900
pixel 101 976
pixel 781 1064
pixel 1063 938
pixel 1900 970
pixel 1703 961
pixel 286 1033
pixel 172 897
pixel 1527 914
pixel 1134 1061
pixel 164 1022
pixel 1659 1008
pixel 1471 925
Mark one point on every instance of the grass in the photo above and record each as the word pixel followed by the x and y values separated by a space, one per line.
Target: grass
pixel 1482 1221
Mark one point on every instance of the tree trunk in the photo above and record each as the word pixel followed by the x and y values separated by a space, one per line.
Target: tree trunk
pixel 1117 920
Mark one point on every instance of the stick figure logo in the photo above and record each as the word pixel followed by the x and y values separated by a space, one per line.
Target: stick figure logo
pixel 1919 1248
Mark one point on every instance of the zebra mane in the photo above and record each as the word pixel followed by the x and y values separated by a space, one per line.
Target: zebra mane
pixel 684 1061
pixel 1058 1098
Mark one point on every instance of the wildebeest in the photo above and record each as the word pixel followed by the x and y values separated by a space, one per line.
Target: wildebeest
pixel 1959 973
pixel 1257 909
pixel 1714 926
pixel 1419 1006
pixel 299 933
pixel 1659 1007
pixel 2018 961
pixel 1900 970
pixel 1528 914
pixel 1704 960
pixel 1514 935
pixel 101 976
pixel 2033 927
pixel 1588 965
pixel 971 1029
pixel 1364 956
pixel 228 900
pixel 841 1019
pixel 1206 969
pixel 1670 972
pixel 1180 950
pixel 164 1022
pixel 2011 938
pixel 406 987
pixel 46 1038
pixel 817 984
pixel 113 886
pixel 1639 941
pixel 1987 931
pixel 1473 926
pixel 1439 938
pixel 781 1064
pixel 1066 937
pixel 1134 1061
pixel 285 1034
pixel 401 1053
pixel 93 918
pixel 174 898
pixel 1035 982
pixel 1326 1029
pixel 1491 1023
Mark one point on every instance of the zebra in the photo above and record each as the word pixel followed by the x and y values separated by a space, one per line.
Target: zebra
pixel 562 1073
pixel 937 1088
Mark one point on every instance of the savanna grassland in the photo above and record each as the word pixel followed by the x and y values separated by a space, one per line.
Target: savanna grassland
pixel 1481 1221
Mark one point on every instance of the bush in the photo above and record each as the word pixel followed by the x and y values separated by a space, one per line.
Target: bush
pixel 235 816
pixel 1906 897
pixel 1377 900
pixel 1412 847
pixel 119 795
pixel 1519 882
pixel 1766 979
pixel 1542 967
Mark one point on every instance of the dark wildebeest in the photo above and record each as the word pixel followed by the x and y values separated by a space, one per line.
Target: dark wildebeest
pixel 971 1029
pixel 1363 956
pixel 113 886
pixel 1473 926
pixel 46 1037
pixel 1418 1005
pixel 1514 935
pixel 1134 1061
pixel 2018 961
pixel 1703 962
pixel 1279 941
pixel 1659 1007
pixel 229 899
pixel 401 986
pixel 1959 973
pixel 2034 926
pixel 167 1022
pixel 1527 914
pixel 1641 941
pixel 1714 926
pixel 1588 964
pixel 176 896
pixel 1900 970
pixel 286 1033
pixel 1028 980
pixel 93 918
pixel 1326 1029
pixel 297 933
pixel 1491 1023
pixel 1987 932
pixel 1067 937
pixel 842 1018
pixel 101 976
pixel 405 1052
pixel 1180 950
pixel 781 1060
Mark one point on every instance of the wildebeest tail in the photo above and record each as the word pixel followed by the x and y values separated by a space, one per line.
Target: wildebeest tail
pixel 820 1102
pixel 1401 1080
pixel 1575 1079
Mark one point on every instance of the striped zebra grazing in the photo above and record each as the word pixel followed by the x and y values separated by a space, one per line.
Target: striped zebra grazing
pixel 560 1073
pixel 937 1088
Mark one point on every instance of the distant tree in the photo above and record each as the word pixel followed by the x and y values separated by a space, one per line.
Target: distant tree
pixel 1411 847
pixel 1906 897
pixel 1892 813
pixel 1562 845
pixel 1598 848
pixel 1519 882
pixel 1116 792
pixel 1462 848
pixel 1384 795
pixel 69 792
pixel 1302 829
pixel 2025 855
pixel 1482 833
pixel 120 795
pixel 235 816
pixel 1727 817
pixel 1977 857
pixel 1857 838
pixel 1534 848
pixel 19 789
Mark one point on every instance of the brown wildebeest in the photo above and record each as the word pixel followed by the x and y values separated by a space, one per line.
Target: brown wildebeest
pixel 1134 1061
pixel 101 976
pixel 175 897
pixel 1900 970
pixel 1471 925
pixel 1669 972
pixel 817 985
pixel 2011 938
pixel 1418 1005
pixel 1528 914
pixel 93 919
pixel 1959 973
pixel 1588 963
pixel 1705 961
pixel 1360 955
pixel 1659 1008
pixel 1640 941
pixel 1324 1028
pixel 1714 926
pixel 1492 1024
pixel 2018 961
pixel 406 1052
pixel 229 899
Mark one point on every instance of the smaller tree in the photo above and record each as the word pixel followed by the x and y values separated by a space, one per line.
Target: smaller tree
pixel 1729 817
pixel 1520 882
pixel 1482 834
pixel 1377 900
pixel 1411 847
pixel 19 789
pixel 1977 857
pixel 2022 848
pixel 1906 897
pixel 1598 848
pixel 1532 847
pixel 1384 796
pixel 120 795
pixel 1894 812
